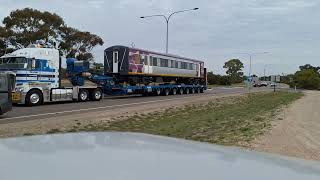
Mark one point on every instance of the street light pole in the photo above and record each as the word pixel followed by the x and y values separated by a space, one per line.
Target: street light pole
pixel 167 18
pixel 250 56
pixel 250 66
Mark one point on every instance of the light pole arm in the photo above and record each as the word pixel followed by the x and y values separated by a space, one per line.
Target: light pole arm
pixel 167 18
pixel 181 12
pixel 157 15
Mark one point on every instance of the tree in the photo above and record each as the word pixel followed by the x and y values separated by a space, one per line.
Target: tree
pixel 218 79
pixel 28 25
pixel 307 79
pixel 25 26
pixel 78 44
pixel 234 70
pixel 97 68
pixel 309 67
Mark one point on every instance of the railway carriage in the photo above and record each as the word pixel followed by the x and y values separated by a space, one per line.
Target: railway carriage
pixel 135 66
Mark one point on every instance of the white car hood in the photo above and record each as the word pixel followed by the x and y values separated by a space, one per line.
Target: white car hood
pixel 123 156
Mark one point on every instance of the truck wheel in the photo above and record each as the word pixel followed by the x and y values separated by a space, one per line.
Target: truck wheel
pixel 34 98
pixel 198 90
pixel 96 95
pixel 187 91
pixel 201 90
pixel 174 91
pixel 158 92
pixel 180 91
pixel 166 92
pixel 192 91
pixel 83 95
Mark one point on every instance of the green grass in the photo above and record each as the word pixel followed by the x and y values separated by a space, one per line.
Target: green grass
pixel 227 121
pixel 232 85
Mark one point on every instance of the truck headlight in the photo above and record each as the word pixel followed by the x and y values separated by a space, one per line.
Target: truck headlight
pixel 19 89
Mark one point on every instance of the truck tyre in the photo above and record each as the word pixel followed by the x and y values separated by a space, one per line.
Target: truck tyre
pixel 96 95
pixel 174 91
pixel 198 90
pixel 192 90
pixel 166 92
pixel 34 98
pixel 201 90
pixel 187 90
pixel 158 92
pixel 180 91
pixel 83 95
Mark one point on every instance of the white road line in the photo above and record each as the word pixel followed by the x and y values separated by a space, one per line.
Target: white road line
pixel 96 108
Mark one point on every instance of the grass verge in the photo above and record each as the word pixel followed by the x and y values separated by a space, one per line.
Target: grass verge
pixel 227 121
pixel 232 85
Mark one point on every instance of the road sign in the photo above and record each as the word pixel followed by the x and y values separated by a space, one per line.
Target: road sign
pixel 278 78
pixel 275 78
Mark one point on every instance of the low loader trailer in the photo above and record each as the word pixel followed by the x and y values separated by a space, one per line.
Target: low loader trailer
pixel 129 71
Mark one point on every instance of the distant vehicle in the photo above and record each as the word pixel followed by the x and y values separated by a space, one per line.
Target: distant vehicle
pixel 134 156
pixel 260 84
pixel 263 84
pixel 7 83
pixel 273 84
pixel 127 71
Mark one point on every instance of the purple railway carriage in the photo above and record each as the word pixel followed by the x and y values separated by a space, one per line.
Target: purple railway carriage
pixel 135 66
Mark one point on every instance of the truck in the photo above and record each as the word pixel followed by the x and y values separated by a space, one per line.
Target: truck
pixel 128 71
pixel 7 83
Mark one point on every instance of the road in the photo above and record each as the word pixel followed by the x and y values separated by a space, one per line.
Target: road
pixel 22 113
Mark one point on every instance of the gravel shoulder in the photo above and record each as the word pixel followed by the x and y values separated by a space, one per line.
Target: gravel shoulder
pixel 296 131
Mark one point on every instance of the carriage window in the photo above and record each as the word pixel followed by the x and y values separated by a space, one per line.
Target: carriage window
pixel 176 64
pixel 190 66
pixel 154 61
pixel 173 64
pixel 164 62
pixel 146 62
pixel 184 65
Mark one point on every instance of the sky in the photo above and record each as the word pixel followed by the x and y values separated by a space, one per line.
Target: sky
pixel 220 30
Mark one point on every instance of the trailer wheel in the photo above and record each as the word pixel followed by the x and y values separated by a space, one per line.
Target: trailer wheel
pixel 34 98
pixel 83 95
pixel 96 95
pixel 158 92
pixel 166 92
pixel 180 91
pixel 192 91
pixel 174 91
pixel 187 90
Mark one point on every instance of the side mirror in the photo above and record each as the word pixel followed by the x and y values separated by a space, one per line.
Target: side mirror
pixel 33 64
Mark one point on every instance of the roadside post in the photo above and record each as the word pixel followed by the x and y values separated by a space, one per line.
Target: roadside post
pixel 249 84
pixel 275 79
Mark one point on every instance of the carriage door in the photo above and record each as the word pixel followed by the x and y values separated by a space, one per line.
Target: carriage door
pixel 115 62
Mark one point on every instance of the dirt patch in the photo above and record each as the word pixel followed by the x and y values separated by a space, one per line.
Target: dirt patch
pixel 296 130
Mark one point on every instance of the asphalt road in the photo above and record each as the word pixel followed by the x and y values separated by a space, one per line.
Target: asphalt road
pixel 22 113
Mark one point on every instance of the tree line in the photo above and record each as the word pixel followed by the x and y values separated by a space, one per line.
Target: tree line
pixel 234 74
pixel 307 77
pixel 26 26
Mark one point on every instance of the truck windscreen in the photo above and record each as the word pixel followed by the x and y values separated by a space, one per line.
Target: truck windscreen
pixel 14 63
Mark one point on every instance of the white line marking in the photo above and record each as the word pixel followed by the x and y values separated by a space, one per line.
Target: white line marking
pixel 102 107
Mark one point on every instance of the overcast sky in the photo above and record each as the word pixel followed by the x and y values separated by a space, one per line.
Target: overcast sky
pixel 218 31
